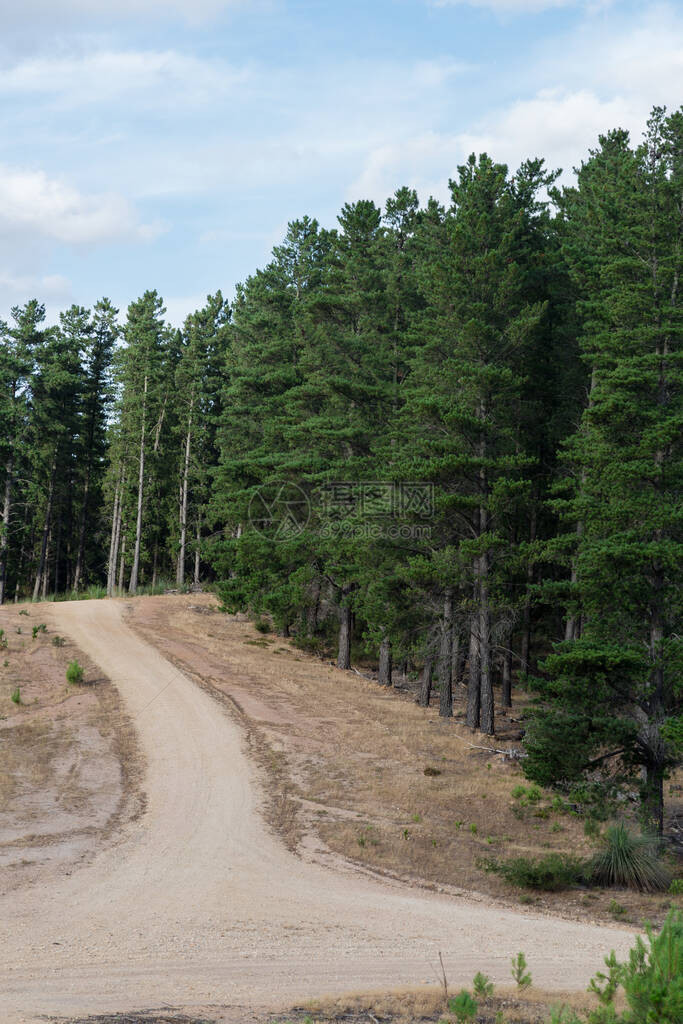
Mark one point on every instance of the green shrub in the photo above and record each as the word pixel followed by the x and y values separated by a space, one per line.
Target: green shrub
pixel 42 628
pixel 463 1006
pixel 551 873
pixel 15 696
pixel 629 859
pixel 3 640
pixel 262 625
pixel 24 612
pixel 520 971
pixel 58 641
pixel 483 986
pixel 74 673
pixel 563 1015
pixel 676 887
pixel 652 979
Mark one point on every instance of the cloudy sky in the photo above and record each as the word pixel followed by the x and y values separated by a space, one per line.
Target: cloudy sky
pixel 166 143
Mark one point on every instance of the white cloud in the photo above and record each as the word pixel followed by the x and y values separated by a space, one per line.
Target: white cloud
pixel 34 204
pixel 151 77
pixel 560 126
pixel 15 289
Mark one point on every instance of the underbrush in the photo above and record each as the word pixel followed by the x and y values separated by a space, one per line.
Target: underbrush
pixel 551 873
pixel 626 860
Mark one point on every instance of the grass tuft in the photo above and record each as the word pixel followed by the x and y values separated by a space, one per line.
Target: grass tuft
pixel 630 860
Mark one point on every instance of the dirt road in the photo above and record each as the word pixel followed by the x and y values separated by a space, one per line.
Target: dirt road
pixel 198 904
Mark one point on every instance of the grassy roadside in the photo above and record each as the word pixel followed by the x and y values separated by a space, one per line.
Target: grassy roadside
pixel 69 763
pixel 357 772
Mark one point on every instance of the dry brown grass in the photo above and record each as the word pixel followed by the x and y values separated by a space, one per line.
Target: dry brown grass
pixel 347 763
pixel 69 766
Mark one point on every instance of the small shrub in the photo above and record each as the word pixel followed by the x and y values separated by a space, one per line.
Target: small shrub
pixel 563 1015
pixel 42 628
pixel 551 873
pixel 431 772
pixel 518 792
pixel 15 696
pixel 473 829
pixel 676 887
pixel 616 909
pixel 463 1006
pixel 417 818
pixel 58 641
pixel 591 828
pixel 262 625
pixel 520 971
pixel 19 630
pixel 482 985
pixel 631 860
pixel 23 612
pixel 652 979
pixel 74 673
pixel 3 640
pixel 605 986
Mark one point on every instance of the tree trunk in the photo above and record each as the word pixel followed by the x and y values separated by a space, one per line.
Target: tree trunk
pixel 487 723
pixel 180 575
pixel 81 533
pixel 506 682
pixel 312 610
pixel 526 610
pixel 425 684
pixel 155 561
pixel 115 536
pixel 122 563
pixel 46 530
pixel 385 663
pixel 4 527
pixel 456 650
pixel 474 685
pixel 46 571
pixel 344 653
pixel 133 586
pixel 197 552
pixel 446 658
pixel 652 799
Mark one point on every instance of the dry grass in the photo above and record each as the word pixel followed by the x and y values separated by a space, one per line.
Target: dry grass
pixel 428 1004
pixel 69 766
pixel 347 762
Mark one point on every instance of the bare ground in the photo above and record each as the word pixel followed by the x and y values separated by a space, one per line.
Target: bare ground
pixel 198 905
pixel 69 764
pixel 359 772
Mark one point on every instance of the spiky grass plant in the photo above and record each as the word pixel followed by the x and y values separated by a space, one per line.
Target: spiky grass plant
pixel 631 860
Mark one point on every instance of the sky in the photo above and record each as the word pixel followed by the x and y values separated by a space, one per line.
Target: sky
pixel 167 143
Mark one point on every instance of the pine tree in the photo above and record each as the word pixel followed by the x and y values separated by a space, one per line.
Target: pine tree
pixel 615 693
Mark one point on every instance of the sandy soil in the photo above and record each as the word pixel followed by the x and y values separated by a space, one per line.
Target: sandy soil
pixel 198 903
pixel 68 761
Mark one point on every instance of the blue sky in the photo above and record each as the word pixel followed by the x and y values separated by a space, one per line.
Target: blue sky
pixel 166 143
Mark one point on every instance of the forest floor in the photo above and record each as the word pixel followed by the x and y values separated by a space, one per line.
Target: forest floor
pixel 362 772
pixel 195 905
